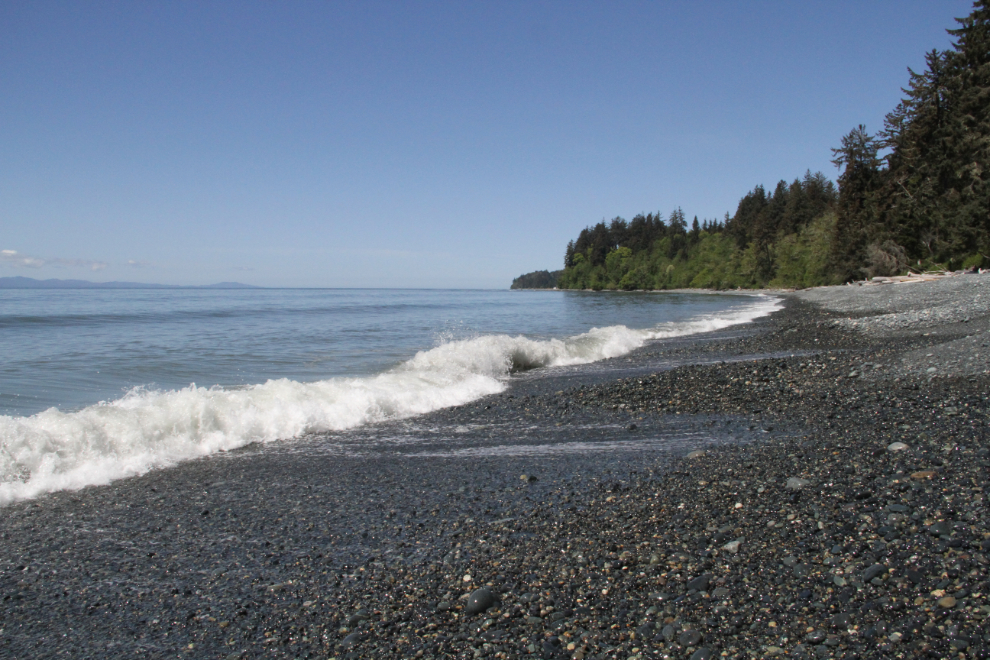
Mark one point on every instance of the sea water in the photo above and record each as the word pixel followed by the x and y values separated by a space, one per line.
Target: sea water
pixel 97 385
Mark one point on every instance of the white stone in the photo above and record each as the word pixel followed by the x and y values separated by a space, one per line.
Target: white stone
pixel 732 546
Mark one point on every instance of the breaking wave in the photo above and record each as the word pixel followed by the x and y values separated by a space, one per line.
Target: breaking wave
pixel 146 429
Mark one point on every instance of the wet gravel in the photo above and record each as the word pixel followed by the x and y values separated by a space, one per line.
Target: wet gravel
pixel 788 489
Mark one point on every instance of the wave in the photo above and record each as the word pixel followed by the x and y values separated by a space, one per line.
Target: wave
pixel 147 429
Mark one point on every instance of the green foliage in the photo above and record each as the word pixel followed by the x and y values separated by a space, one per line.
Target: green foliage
pixel 538 279
pixel 917 194
pixel 803 257
pixel 781 239
pixel 711 261
pixel 928 198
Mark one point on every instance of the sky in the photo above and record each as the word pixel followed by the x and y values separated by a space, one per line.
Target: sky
pixel 413 144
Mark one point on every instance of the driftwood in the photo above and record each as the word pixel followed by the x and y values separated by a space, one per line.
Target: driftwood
pixel 926 276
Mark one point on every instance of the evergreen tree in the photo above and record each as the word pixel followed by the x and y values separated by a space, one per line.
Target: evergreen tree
pixel 740 227
pixel 919 164
pixel 856 206
pixel 968 128
pixel 569 255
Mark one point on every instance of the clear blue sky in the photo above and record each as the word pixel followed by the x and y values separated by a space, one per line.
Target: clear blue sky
pixel 408 144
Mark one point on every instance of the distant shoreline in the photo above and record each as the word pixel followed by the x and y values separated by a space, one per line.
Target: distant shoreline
pixel 20 282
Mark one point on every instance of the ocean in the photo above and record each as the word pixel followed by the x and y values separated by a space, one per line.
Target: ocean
pixel 98 385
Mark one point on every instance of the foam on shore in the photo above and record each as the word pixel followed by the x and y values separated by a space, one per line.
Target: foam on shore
pixel 146 429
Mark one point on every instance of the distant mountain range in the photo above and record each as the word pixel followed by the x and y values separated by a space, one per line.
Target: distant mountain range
pixel 31 283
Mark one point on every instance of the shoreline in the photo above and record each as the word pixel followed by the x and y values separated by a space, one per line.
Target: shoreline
pixel 343 546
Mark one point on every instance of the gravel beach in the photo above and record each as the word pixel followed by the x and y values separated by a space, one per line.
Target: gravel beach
pixel 810 485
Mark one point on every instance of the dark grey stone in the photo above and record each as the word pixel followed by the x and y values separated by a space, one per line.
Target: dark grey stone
pixel 941 528
pixel 689 638
pixel 700 583
pixel 841 620
pixel 350 640
pixel 479 601
pixel 873 572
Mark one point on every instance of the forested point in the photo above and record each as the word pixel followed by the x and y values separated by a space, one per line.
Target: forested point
pixel 913 197
pixel 538 279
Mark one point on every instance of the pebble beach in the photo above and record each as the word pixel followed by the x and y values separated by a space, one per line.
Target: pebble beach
pixel 810 485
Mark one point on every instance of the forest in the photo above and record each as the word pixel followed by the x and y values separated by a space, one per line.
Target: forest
pixel 539 279
pixel 915 196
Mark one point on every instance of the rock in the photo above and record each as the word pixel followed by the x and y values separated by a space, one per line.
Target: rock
pixel 873 572
pixel 357 617
pixel 350 640
pixel 479 601
pixel 700 583
pixel 841 620
pixel 689 638
pixel 801 570
pixel 897 446
pixel 947 602
pixel 697 453
pixel 528 478
pixel 941 528
pixel 644 631
pixel 733 546
pixel 721 592
pixel 923 474
pixel 669 633
pixel 815 636
pixel 796 483
pixel 703 653
pixel 551 647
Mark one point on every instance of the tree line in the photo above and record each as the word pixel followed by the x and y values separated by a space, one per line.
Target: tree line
pixel 915 195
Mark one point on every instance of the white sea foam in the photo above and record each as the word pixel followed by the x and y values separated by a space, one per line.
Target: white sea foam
pixel 145 429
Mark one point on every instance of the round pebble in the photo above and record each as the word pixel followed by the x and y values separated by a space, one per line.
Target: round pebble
pixel 479 601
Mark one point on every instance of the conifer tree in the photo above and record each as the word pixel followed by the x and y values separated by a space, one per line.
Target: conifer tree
pixel 968 125
pixel 856 206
